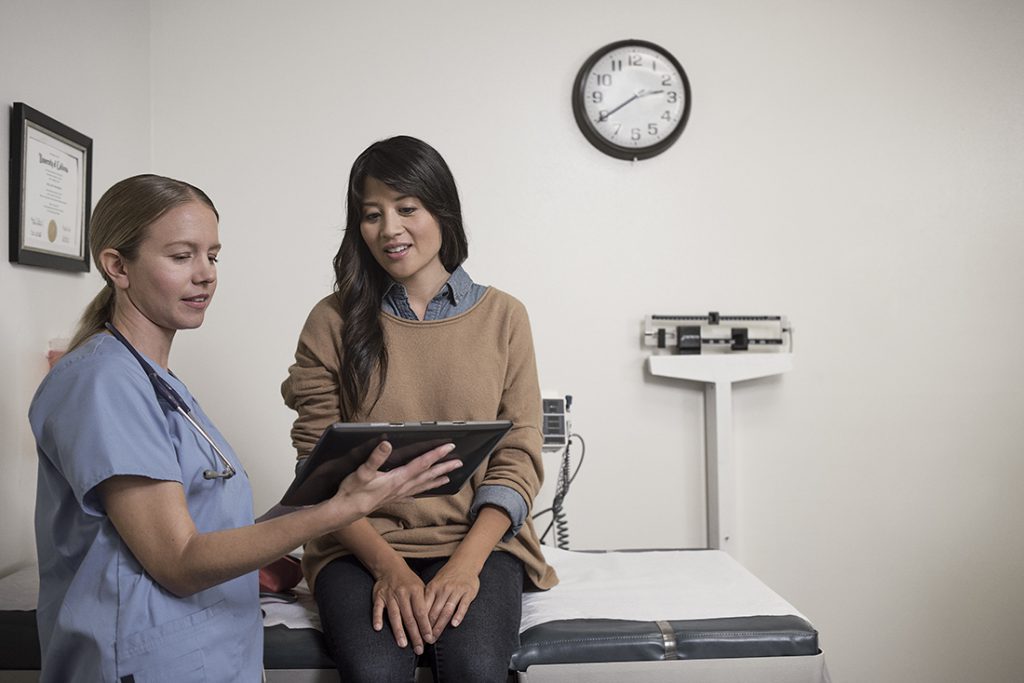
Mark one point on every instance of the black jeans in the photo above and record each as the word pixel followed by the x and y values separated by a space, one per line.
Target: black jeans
pixel 476 651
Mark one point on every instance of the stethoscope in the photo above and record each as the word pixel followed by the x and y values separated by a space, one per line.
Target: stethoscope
pixel 175 401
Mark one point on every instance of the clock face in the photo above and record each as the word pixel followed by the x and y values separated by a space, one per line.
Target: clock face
pixel 631 99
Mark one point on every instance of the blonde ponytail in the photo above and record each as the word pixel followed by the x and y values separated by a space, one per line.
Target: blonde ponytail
pixel 99 311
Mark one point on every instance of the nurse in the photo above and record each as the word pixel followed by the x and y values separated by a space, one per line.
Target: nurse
pixel 144 524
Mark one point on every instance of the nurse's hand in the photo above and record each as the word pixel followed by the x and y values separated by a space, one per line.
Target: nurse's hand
pixel 400 591
pixel 368 488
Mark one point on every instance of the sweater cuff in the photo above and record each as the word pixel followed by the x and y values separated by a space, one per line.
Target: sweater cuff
pixel 505 498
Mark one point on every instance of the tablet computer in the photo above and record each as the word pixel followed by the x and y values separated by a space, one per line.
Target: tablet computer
pixel 344 446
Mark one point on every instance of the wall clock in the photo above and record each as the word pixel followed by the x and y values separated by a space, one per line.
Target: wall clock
pixel 631 99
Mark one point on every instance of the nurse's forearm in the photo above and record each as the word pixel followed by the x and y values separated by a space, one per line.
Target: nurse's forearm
pixel 222 555
pixel 153 519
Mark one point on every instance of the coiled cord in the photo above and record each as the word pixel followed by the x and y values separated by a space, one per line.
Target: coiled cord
pixel 559 520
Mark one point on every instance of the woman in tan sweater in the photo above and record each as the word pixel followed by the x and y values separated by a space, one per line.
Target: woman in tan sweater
pixel 408 336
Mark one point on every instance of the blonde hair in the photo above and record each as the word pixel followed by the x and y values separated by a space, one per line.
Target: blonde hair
pixel 120 221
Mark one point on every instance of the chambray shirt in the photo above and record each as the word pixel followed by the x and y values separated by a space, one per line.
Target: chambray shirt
pixel 456 296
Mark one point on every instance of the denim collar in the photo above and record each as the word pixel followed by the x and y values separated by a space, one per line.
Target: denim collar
pixel 453 292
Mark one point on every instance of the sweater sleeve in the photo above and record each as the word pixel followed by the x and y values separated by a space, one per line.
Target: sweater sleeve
pixel 517 463
pixel 312 386
pixel 504 498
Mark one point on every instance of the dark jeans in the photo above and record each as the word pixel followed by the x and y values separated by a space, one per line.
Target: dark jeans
pixel 476 651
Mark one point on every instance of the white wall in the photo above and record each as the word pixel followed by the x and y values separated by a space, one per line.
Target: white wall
pixel 856 166
pixel 86 65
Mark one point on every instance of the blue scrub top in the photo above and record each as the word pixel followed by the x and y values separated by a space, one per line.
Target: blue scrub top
pixel 101 616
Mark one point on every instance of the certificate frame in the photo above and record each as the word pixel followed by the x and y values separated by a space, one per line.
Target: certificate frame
pixel 50 192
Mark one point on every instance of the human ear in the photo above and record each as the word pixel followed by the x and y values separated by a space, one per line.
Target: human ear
pixel 113 264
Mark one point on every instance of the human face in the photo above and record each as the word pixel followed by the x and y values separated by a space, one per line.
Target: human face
pixel 170 283
pixel 403 236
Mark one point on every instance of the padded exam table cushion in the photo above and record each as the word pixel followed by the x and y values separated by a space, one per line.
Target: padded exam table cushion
pixel 656 605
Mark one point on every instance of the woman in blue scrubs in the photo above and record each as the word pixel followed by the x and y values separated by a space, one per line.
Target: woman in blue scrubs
pixel 144 524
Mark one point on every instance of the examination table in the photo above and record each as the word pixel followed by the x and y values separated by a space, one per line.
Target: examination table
pixel 641 616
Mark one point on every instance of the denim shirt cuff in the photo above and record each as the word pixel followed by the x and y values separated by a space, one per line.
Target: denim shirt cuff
pixel 506 498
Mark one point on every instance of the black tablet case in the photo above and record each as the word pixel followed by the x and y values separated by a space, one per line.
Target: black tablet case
pixel 343 447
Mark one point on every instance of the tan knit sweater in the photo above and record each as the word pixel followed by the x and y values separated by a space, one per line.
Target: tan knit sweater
pixel 478 365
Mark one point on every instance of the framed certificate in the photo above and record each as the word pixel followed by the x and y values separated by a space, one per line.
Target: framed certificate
pixel 51 183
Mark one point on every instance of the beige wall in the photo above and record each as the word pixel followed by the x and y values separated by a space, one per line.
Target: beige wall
pixel 856 166
pixel 86 65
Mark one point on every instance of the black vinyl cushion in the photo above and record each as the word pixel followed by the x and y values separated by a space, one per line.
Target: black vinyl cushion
pixel 19 641
pixel 573 641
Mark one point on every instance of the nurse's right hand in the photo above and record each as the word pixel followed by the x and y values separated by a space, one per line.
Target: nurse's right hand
pixel 368 488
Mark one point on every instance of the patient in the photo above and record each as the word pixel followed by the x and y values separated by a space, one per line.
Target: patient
pixel 408 336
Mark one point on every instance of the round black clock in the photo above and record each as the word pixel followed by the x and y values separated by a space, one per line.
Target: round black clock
pixel 631 99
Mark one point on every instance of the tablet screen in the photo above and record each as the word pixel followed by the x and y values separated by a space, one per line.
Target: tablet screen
pixel 343 447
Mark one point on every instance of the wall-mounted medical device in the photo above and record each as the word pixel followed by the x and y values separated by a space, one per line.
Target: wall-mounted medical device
pixel 555 425
pixel 714 332
pixel 556 428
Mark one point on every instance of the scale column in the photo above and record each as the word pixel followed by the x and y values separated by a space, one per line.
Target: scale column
pixel 719 373
pixel 721 467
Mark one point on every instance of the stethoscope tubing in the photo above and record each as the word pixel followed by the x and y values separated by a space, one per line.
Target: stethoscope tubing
pixel 166 391
pixel 228 470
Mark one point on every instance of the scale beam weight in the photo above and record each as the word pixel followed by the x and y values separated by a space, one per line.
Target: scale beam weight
pixel 719 372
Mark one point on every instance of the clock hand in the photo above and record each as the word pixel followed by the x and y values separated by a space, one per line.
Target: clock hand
pixel 604 115
pixel 637 95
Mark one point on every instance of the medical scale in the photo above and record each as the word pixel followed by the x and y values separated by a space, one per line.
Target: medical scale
pixel 719 350
pixel 711 332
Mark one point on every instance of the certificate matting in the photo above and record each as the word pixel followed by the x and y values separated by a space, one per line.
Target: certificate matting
pixel 51 180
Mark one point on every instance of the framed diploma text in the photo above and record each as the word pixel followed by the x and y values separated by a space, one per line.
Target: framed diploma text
pixel 51 183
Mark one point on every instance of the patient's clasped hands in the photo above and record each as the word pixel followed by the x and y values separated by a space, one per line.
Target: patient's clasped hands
pixel 418 613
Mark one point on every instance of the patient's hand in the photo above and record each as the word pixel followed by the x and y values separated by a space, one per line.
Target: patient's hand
pixel 401 593
pixel 449 595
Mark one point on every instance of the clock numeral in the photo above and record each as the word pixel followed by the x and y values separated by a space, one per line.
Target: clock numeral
pixel 652 129
pixel 667 115
pixel 666 81
pixel 634 134
pixel 616 64
pixel 603 80
pixel 671 97
pixel 597 97
pixel 618 127
pixel 635 60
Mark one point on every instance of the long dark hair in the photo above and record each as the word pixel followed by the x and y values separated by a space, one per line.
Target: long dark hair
pixel 412 167
pixel 120 222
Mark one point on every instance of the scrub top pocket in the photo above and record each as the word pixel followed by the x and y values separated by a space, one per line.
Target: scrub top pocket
pixel 174 650
pixel 189 668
